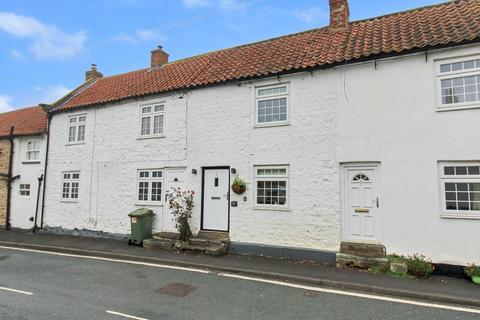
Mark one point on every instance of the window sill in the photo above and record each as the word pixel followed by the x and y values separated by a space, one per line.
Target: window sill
pixel 150 137
pixel 74 143
pixel 148 204
pixel 464 216
pixel 31 162
pixel 459 107
pixel 272 209
pixel 68 201
pixel 269 125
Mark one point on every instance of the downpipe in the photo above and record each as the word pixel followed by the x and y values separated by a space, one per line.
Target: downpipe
pixel 35 226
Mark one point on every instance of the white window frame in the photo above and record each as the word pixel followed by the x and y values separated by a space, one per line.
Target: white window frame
pixel 36 151
pixel 271 177
pixel 451 75
pixel 152 114
pixel 23 190
pixel 75 122
pixel 150 180
pixel 443 179
pixel 70 184
pixel 259 98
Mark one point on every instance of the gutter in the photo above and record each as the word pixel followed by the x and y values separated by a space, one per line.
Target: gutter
pixel 49 120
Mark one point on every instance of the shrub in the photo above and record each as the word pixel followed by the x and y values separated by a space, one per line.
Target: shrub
pixel 419 266
pixel 472 270
pixel 181 203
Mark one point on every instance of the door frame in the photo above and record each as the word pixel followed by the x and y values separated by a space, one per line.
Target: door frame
pixel 344 200
pixel 203 196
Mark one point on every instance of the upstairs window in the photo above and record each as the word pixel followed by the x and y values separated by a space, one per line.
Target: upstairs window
pixel 460 187
pixel 459 83
pixel 271 105
pixel 271 186
pixel 70 185
pixel 24 189
pixel 33 151
pixel 152 120
pixel 76 129
pixel 150 186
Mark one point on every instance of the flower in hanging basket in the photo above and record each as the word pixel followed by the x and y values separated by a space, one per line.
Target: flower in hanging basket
pixel 239 186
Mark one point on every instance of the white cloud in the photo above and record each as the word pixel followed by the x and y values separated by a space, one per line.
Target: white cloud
pixel 17 55
pixel 50 94
pixel 140 35
pixel 5 104
pixel 196 3
pixel 314 14
pixel 48 41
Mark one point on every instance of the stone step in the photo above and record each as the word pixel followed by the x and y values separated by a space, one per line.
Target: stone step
pixel 211 249
pixel 214 236
pixel 363 249
pixel 166 235
pixel 159 243
pixel 361 262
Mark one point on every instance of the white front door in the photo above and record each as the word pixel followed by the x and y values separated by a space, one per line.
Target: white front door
pixel 216 186
pixel 361 204
pixel 174 178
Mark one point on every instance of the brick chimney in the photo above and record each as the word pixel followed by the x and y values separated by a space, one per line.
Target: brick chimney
pixel 339 15
pixel 93 74
pixel 159 57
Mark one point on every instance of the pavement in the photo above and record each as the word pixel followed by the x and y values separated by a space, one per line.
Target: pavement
pixel 40 286
pixel 435 289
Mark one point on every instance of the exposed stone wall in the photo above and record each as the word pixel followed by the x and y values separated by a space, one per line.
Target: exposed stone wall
pixel 4 158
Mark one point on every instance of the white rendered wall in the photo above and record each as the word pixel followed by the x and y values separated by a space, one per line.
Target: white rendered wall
pixel 22 207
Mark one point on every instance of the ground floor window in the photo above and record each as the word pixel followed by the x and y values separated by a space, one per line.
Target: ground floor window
pixel 271 186
pixel 70 185
pixel 150 184
pixel 24 189
pixel 460 188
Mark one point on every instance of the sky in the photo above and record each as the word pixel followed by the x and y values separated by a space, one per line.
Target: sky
pixel 46 46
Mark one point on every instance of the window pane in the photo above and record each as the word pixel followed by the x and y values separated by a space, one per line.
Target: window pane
pixel 145 126
pixel 76 176
pixel 158 124
pixel 457 66
pixel 463 206
pixel 474 187
pixel 469 64
pixel 82 119
pixel 156 191
pixel 81 133
pixel 475 206
pixel 475 170
pixel 143 191
pixel 445 68
pixel 460 170
pixel 159 108
pixel 66 190
pixel 72 134
pixel 451 206
pixel 146 109
pixel 74 191
pixel 73 120
pixel 449 170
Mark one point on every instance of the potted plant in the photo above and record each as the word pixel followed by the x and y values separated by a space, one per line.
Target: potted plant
pixel 419 266
pixel 473 271
pixel 181 203
pixel 238 186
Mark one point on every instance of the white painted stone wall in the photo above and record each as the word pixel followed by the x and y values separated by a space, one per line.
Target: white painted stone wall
pixel 348 114
pixel 389 115
pixel 22 207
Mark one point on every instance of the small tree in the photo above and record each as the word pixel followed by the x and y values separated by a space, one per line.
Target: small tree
pixel 181 203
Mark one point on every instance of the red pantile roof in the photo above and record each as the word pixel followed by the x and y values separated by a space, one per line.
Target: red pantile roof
pixel 27 121
pixel 445 24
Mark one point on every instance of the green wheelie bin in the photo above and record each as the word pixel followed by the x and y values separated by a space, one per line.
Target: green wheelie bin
pixel 141 222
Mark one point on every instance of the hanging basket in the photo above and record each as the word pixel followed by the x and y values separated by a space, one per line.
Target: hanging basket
pixel 238 188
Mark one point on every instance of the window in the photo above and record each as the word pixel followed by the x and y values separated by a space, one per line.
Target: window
pixel 152 120
pixel 33 151
pixel 459 83
pixel 271 105
pixel 76 129
pixel 460 187
pixel 24 190
pixel 150 186
pixel 71 184
pixel 271 186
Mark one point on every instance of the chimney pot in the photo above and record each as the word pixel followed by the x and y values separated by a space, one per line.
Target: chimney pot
pixel 339 15
pixel 158 57
pixel 93 74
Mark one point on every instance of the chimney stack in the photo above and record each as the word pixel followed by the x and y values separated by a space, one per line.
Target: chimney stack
pixel 159 57
pixel 339 15
pixel 93 74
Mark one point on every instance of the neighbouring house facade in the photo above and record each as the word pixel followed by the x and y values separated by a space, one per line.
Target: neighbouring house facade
pixel 360 131
pixel 23 139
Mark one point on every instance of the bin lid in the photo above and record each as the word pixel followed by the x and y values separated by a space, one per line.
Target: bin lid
pixel 141 212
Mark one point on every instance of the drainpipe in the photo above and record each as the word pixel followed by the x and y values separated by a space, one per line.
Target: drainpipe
pixel 49 120
pixel 40 179
pixel 9 179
